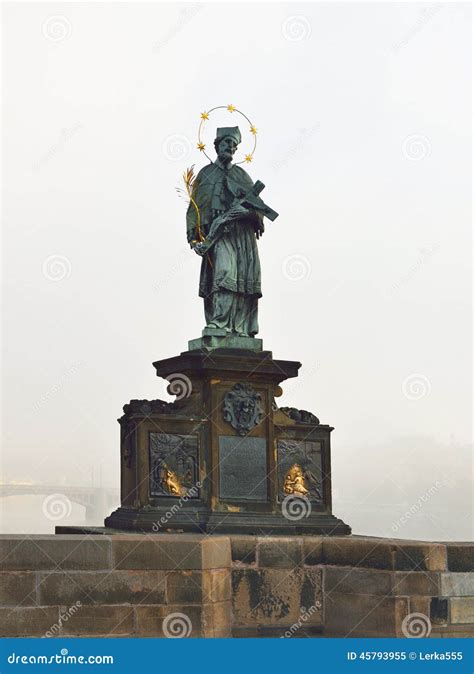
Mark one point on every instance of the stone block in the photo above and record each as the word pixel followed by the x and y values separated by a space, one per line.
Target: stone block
pixel 170 552
pixel 104 621
pixel 420 557
pixel 356 580
pixel 19 552
pixel 420 605
pixel 184 587
pixel 373 553
pixel 217 620
pixel 275 596
pixel 244 549
pixel 461 610
pixel 460 556
pixel 168 621
pixel 17 588
pixel 312 550
pixel 457 584
pixel 362 615
pixel 102 587
pixel 279 553
pixel 415 583
pixel 216 585
pixel 27 621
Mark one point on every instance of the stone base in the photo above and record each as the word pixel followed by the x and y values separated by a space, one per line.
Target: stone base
pixel 158 520
pixel 218 338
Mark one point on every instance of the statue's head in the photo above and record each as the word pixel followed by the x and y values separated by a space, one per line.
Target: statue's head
pixel 226 142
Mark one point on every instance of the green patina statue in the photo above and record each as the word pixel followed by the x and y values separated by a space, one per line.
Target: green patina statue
pixel 224 220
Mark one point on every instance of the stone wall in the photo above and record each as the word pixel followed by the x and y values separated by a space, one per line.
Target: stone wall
pixel 106 586
pixel 241 586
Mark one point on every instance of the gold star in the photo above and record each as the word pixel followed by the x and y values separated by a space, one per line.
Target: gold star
pixel 231 107
pixel 253 129
pixel 201 146
pixel 248 158
pixel 204 115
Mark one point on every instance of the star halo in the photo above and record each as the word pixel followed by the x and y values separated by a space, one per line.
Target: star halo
pixel 230 108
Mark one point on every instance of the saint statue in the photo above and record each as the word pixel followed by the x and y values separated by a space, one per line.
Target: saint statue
pixel 224 220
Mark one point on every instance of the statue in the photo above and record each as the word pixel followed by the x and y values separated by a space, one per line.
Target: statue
pixel 224 220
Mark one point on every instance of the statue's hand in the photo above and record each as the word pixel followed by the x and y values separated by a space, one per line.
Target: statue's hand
pixel 199 247
pixel 236 211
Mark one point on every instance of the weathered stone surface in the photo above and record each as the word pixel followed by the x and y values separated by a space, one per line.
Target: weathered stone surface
pixel 420 605
pixel 184 587
pixel 169 551
pixel 166 621
pixel 17 588
pixel 216 552
pixel 461 610
pixel 438 611
pixel 420 557
pixel 27 621
pixel 373 552
pixel 217 620
pixel 102 621
pixel 216 585
pixel 356 581
pixel 19 552
pixel 312 550
pixel 362 615
pixel 461 556
pixel 274 596
pixel 415 583
pixel 280 553
pixel 102 587
pixel 457 584
pixel 244 549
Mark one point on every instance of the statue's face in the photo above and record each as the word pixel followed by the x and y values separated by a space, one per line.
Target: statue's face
pixel 226 148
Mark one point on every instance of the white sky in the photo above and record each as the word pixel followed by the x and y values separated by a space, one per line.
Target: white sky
pixel 364 117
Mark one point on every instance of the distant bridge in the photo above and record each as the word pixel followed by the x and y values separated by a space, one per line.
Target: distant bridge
pixel 96 500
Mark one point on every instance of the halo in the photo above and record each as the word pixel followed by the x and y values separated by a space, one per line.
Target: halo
pixel 231 108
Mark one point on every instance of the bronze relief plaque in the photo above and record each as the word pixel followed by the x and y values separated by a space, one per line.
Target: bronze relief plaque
pixel 300 469
pixel 173 465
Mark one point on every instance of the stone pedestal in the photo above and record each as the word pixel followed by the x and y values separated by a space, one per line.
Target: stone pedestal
pixel 223 458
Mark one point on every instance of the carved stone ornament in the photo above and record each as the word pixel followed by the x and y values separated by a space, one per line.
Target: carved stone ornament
pixel 302 416
pixel 242 408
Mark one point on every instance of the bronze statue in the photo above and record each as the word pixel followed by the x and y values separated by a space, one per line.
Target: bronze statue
pixel 224 220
